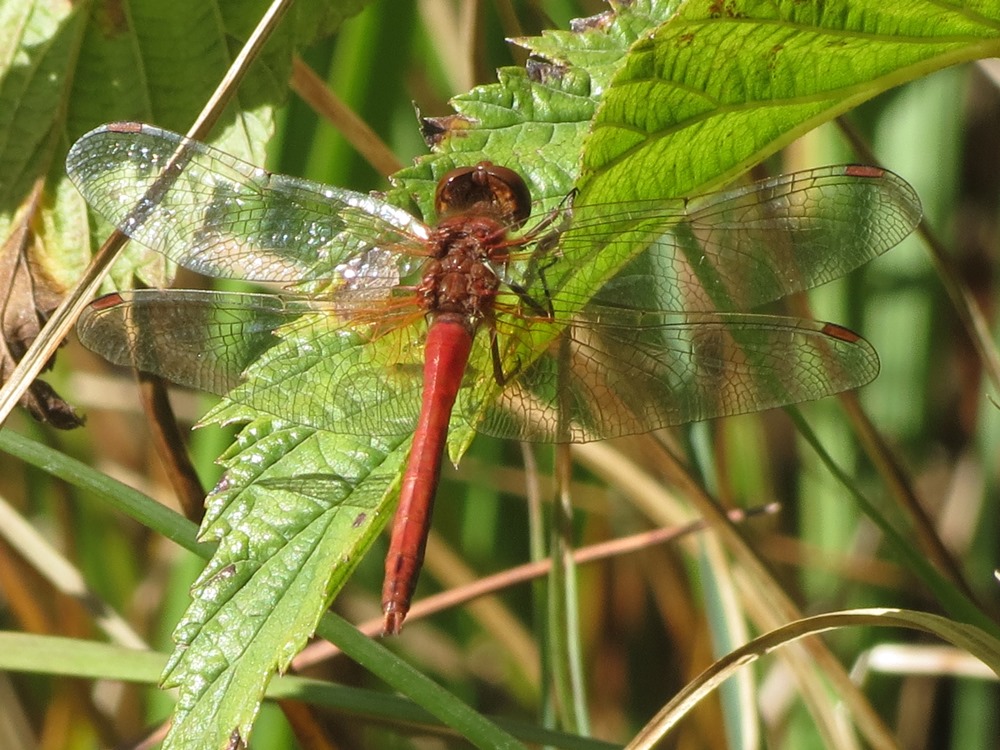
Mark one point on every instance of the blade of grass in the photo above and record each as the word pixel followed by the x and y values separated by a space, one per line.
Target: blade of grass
pixel 63 575
pixel 951 598
pixel 381 662
pixel 42 654
pixel 973 640
pixel 776 606
pixel 108 491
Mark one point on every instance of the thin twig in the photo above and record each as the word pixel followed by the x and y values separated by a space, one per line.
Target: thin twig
pixel 328 105
pixel 170 446
pixel 523 573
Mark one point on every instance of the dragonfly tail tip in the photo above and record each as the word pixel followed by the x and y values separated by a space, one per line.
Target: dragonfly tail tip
pixel 393 622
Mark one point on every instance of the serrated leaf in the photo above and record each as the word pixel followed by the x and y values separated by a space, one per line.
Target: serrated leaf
pixel 297 508
pixel 598 44
pixel 535 119
pixel 530 122
pixel 38 45
pixel 720 86
pixel 268 469
pixel 33 78
pixel 287 539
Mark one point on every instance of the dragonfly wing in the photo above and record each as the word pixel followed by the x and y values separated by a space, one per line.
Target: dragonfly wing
pixel 204 340
pixel 281 356
pixel 618 373
pixel 222 217
pixel 742 248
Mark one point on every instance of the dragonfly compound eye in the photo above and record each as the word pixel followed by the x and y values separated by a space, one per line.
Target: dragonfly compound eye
pixel 485 189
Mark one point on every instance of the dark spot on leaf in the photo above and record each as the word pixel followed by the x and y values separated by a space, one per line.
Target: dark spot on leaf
pixel 359 519
pixel 111 19
pixel 773 54
pixel 235 741
pixel 543 71
pixel 598 21
pixel 226 573
pixel 720 8
pixel 437 129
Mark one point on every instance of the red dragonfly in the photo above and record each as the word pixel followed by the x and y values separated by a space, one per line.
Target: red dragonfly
pixel 509 337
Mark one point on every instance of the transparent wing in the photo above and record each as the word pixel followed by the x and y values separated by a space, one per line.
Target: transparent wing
pixel 628 362
pixel 222 217
pixel 650 349
pixel 616 372
pixel 304 363
pixel 741 248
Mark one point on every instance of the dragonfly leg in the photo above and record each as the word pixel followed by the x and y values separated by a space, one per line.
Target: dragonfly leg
pixel 498 373
pixel 535 233
pixel 545 310
pixel 545 284
pixel 528 301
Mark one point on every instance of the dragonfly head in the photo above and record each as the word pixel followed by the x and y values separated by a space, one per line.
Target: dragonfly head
pixel 484 189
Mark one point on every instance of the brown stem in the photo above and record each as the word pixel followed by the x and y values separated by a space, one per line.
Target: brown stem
pixel 170 446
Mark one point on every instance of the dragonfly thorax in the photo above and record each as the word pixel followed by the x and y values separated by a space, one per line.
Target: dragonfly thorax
pixel 460 277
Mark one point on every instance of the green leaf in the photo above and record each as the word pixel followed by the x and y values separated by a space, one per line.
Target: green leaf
pixel 535 119
pixel 297 511
pixel 533 123
pixel 38 43
pixel 299 505
pixel 37 54
pixel 721 86
pixel 66 68
pixel 598 44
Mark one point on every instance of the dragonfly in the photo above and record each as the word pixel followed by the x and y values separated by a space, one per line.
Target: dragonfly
pixel 480 315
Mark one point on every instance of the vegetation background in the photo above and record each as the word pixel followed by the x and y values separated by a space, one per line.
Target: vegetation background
pixel 652 620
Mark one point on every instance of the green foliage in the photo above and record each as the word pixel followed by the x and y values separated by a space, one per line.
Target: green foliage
pixel 72 67
pixel 535 121
pixel 721 86
pixel 660 100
